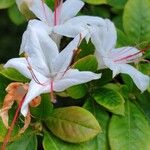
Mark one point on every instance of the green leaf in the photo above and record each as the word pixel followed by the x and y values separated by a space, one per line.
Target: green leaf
pixel 136 20
pixel 130 132
pixel 77 91
pixel 100 142
pixel 51 142
pixel 44 109
pixel 143 102
pixel 117 3
pixel 73 124
pixel 15 15
pixel 144 68
pixel 6 3
pixel 27 142
pixel 123 39
pixel 13 75
pixel 88 63
pixel 110 99
pixel 96 2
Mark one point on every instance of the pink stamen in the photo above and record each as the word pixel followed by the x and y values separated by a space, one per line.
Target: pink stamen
pixel 53 99
pixel 130 56
pixel 7 137
pixel 32 73
pixel 57 11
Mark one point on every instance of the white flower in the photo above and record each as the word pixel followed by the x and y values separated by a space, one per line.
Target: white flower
pixel 116 59
pixel 62 13
pixel 48 69
pixel 79 24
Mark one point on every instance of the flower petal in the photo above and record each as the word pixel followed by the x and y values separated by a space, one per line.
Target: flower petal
pixel 77 25
pixel 42 11
pixel 70 8
pixel 69 30
pixel 63 60
pixel 39 47
pixel 142 81
pixel 19 64
pixel 34 91
pixel 101 36
pixel 125 54
pixel 74 77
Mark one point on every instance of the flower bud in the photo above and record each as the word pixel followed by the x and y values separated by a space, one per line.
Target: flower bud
pixel 23 6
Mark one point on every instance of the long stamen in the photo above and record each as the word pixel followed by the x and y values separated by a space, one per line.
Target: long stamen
pixel 57 11
pixel 32 72
pixel 53 99
pixel 7 137
pixel 130 56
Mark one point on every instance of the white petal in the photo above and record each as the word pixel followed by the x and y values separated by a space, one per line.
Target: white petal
pixel 77 25
pixel 125 54
pixel 104 38
pixel 42 11
pixel 39 47
pixel 62 62
pixel 70 8
pixel 74 77
pixel 19 64
pixel 86 20
pixel 69 30
pixel 34 91
pixel 142 81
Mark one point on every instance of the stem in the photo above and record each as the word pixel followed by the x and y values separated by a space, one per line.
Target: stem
pixel 7 137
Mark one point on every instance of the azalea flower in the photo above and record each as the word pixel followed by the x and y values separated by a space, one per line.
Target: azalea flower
pixel 48 69
pixel 117 59
pixel 79 24
pixel 15 92
pixel 103 35
pixel 49 18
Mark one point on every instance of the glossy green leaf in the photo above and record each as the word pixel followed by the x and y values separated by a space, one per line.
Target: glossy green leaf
pixel 88 63
pixel 123 39
pixel 110 99
pixel 13 75
pixel 129 132
pixel 136 20
pixel 73 124
pixel 44 109
pixel 6 3
pixel 27 142
pixel 96 2
pixel 77 92
pixel 100 142
pixel 142 100
pixel 52 142
pixel 15 15
pixel 117 3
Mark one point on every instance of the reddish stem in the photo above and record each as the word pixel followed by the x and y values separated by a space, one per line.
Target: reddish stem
pixel 7 137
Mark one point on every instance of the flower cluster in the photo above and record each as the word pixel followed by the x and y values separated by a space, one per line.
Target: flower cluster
pixel 49 68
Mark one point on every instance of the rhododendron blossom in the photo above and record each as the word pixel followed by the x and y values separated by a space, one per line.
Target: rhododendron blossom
pixel 116 59
pixel 48 69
